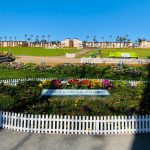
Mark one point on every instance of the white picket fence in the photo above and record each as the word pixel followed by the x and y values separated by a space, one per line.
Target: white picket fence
pixel 87 60
pixel 70 55
pixel 14 82
pixel 95 125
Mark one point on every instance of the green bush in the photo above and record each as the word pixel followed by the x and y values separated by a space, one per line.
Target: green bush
pixel 82 71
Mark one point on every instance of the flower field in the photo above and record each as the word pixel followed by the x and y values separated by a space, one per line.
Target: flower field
pixel 77 84
pixel 125 99
pixel 116 72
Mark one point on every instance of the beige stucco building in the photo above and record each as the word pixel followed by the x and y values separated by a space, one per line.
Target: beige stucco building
pixel 72 43
pixel 27 44
pixel 79 44
pixel 109 44
pixel 144 44
pixel 12 43
pixel 67 43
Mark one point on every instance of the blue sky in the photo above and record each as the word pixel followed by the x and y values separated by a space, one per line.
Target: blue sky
pixel 75 18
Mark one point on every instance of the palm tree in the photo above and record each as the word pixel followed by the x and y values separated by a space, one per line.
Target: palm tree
pixel 87 37
pixel 15 38
pixel 43 38
pixel 37 37
pixel 28 39
pixel 25 37
pixel 117 38
pixel 140 40
pixel 94 39
pixel 126 35
pixel 102 38
pixel 31 36
pixel 49 37
pixel 5 37
pixel 110 37
pixel 10 38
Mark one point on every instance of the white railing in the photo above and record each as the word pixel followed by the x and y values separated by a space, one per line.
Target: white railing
pixel 16 81
pixel 113 61
pixel 59 124
pixel 70 55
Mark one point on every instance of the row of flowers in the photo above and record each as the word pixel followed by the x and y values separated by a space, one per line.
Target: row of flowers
pixel 77 84
pixel 87 84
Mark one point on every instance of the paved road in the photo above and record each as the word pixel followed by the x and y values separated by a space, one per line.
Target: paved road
pixel 12 140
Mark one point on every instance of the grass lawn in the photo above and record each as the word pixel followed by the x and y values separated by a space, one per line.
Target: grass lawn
pixel 28 51
pixel 15 74
pixel 142 53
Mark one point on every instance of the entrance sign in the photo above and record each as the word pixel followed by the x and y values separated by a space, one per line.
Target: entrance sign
pixel 78 92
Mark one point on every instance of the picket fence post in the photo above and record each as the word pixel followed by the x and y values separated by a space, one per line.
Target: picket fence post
pixel 1 119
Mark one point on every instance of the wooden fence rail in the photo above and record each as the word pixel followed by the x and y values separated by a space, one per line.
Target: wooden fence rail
pixel 92 125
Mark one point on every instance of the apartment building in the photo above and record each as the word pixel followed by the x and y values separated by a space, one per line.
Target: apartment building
pixel 144 44
pixel 109 44
pixel 12 43
pixel 72 43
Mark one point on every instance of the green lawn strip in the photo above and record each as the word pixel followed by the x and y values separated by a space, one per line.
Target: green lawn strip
pixel 142 53
pixel 15 74
pixel 28 51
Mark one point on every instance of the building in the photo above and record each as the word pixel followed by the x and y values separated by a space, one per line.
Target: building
pixel 144 44
pixel 67 43
pixel 27 44
pixel 109 44
pixel 72 43
pixel 13 43
pixel 79 44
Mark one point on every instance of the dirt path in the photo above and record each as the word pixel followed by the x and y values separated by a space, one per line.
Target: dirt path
pixel 51 60
pixel 47 60
pixel 83 52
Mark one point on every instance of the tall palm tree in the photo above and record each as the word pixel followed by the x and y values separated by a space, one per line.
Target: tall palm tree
pixel 49 37
pixel 43 38
pixel 15 38
pixel 10 38
pixel 37 37
pixel 117 38
pixel 31 36
pixel 110 37
pixel 5 37
pixel 28 39
pixel 94 39
pixel 126 35
pixel 25 37
pixel 87 37
pixel 102 38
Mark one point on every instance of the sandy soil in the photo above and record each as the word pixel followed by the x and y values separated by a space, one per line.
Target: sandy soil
pixel 51 60
pixel 47 60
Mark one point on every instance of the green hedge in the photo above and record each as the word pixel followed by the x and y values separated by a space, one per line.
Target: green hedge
pixel 74 71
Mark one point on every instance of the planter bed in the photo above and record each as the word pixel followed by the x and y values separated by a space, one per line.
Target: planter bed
pixel 124 99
